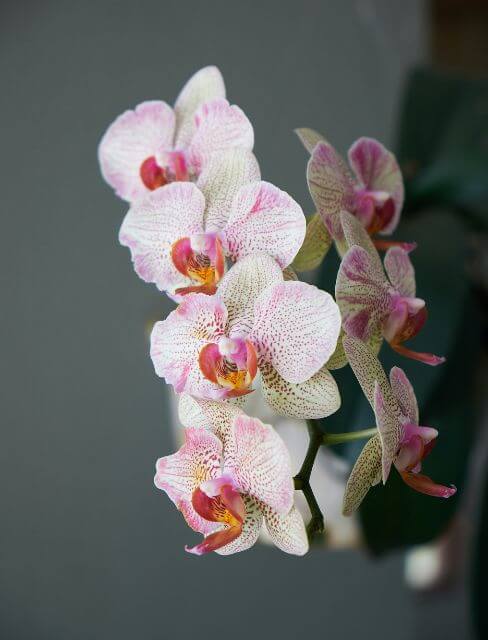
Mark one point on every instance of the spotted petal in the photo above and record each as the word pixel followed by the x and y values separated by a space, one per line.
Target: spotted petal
pixel 198 460
pixel 309 138
pixel 330 185
pixel 377 170
pixel 315 246
pixel 389 427
pixel 287 531
pixel 404 394
pixel 221 178
pixel 176 343
pixel 400 271
pixel 295 329
pixel 206 84
pixel 365 474
pixel 317 397
pixel 362 294
pixel 217 417
pixel 367 368
pixel 153 224
pixel 264 219
pixel 356 234
pixel 219 126
pixel 250 529
pixel 258 461
pixel 241 286
pixel 132 138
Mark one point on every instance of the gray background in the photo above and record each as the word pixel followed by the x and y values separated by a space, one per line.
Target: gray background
pixel 88 547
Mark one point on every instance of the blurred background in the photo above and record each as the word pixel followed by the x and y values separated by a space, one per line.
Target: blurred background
pixel 88 547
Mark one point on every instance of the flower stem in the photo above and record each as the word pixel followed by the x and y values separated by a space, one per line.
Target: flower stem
pixel 338 438
pixel 302 479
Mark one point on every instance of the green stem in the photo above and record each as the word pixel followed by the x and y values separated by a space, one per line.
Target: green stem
pixel 338 438
pixel 302 479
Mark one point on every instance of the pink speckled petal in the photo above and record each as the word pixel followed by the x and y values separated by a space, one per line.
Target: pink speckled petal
pixel 221 178
pixel 154 224
pixel 389 427
pixel 219 126
pixel 296 327
pixel 309 138
pixel 198 460
pixel 176 343
pixel 317 397
pixel 330 185
pixel 377 169
pixel 241 287
pixel 356 234
pixel 264 219
pixel 250 529
pixel 365 474
pixel 362 294
pixel 258 462
pixel 217 417
pixel 400 271
pixel 287 530
pixel 132 138
pixel 405 395
pixel 204 85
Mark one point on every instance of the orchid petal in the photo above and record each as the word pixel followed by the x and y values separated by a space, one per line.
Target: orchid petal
pixel 338 359
pixel 242 285
pixel 362 294
pixel 356 234
pixel 425 485
pixel 250 529
pixel 153 224
pixel 204 85
pixel 367 369
pixel 217 417
pixel 377 169
pixel 131 139
pixel 330 185
pixel 389 428
pixel 295 329
pixel 221 178
pixel 258 462
pixel 264 219
pixel 287 531
pixel 404 394
pixel 176 343
pixel 315 246
pixel 317 397
pixel 365 474
pixel 219 126
pixel 309 138
pixel 400 271
pixel 180 474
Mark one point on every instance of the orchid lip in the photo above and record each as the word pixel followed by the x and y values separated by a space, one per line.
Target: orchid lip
pixel 199 257
pixel 230 363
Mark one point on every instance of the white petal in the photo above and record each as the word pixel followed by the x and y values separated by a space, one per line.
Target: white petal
pixel 287 531
pixel 296 327
pixel 206 84
pixel 242 285
pixel 315 398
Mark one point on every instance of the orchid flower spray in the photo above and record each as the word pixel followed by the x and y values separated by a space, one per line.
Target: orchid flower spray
pixel 224 244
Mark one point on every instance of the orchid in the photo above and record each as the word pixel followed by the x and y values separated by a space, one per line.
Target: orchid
pixel 153 145
pixel 374 195
pixel 375 304
pixel 213 346
pixel 229 477
pixel 400 440
pixel 179 236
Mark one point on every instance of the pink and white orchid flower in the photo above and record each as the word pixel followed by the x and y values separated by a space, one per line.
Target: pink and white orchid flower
pixel 229 477
pixel 400 440
pixel 213 346
pixel 179 236
pixel 375 304
pixel 154 144
pixel 374 195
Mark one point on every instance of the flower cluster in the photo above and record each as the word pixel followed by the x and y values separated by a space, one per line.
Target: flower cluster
pixel 224 245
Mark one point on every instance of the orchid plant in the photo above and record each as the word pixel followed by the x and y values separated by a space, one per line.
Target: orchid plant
pixel 225 246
